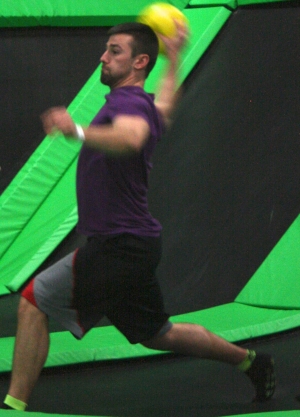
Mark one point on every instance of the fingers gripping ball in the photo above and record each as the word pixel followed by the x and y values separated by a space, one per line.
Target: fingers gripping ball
pixel 161 18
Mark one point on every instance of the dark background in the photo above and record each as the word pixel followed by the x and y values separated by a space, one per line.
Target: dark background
pixel 40 67
pixel 226 179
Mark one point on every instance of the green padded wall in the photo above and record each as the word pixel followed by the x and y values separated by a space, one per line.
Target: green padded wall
pixel 231 4
pixel 276 283
pixel 7 413
pixel 234 322
pixel 253 2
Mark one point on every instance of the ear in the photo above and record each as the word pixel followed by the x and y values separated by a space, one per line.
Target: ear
pixel 141 61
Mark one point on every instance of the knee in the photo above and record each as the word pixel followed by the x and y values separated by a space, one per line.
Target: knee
pixel 152 343
pixel 161 341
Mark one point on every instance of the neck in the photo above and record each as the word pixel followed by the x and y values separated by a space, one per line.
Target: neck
pixel 129 81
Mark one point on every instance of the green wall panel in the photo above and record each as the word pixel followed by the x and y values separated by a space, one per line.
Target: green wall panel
pixel 230 4
pixel 180 4
pixel 234 322
pixel 47 179
pixel 7 413
pixel 68 13
pixel 204 25
pixel 276 283
pixel 254 2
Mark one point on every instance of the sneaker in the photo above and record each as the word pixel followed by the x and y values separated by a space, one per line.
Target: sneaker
pixel 262 375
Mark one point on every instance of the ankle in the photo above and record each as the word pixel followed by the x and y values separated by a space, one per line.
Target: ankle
pixel 247 362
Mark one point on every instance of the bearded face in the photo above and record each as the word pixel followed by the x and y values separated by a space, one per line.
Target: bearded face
pixel 117 61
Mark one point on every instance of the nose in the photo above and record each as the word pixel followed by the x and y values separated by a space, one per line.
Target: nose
pixel 103 57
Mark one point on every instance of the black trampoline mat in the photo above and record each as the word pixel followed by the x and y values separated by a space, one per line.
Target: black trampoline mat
pixel 167 386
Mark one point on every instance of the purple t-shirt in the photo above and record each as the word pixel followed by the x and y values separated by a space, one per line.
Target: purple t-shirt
pixel 112 190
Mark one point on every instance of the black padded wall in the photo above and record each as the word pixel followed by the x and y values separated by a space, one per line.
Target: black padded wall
pixel 226 183
pixel 40 67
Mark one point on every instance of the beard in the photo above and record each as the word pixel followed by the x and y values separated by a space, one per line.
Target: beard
pixel 109 79
pixel 113 78
pixel 106 78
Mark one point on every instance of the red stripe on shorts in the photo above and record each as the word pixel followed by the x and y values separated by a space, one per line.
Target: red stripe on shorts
pixel 29 294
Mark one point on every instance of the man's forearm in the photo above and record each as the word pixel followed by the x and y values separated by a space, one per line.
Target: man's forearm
pixel 126 134
pixel 167 95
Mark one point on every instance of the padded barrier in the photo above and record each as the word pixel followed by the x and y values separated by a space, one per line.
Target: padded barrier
pixel 251 2
pixel 40 201
pixel 231 4
pixel 276 283
pixel 68 13
pixel 292 413
pixel 234 322
pixel 7 413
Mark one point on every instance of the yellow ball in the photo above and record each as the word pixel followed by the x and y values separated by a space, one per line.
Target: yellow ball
pixel 160 17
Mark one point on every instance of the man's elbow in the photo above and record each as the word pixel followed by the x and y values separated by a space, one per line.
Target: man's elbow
pixel 136 143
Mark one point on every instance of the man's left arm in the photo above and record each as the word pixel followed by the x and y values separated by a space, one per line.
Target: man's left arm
pixel 168 93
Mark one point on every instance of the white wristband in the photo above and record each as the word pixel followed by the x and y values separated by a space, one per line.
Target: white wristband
pixel 79 133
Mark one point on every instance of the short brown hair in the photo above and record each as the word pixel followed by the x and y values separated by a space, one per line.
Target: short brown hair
pixel 145 40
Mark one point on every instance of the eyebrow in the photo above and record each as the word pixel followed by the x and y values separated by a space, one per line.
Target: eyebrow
pixel 113 45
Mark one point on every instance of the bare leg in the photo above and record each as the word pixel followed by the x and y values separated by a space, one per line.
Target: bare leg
pixel 31 350
pixel 194 340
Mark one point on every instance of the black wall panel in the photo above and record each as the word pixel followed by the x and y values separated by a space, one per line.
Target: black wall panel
pixel 40 67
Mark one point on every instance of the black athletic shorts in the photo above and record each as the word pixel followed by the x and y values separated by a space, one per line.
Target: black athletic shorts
pixel 109 276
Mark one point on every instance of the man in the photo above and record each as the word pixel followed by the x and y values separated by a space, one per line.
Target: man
pixel 114 273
